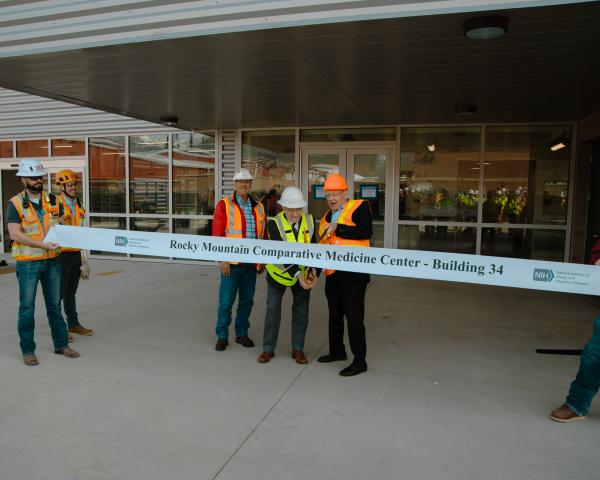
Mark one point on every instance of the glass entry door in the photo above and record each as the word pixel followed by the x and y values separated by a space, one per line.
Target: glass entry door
pixel 10 185
pixel 367 171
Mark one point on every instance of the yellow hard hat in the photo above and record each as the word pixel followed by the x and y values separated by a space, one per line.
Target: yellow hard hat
pixel 66 176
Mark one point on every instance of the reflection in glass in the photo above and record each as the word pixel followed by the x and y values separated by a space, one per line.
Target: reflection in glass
pixel 523 243
pixel 320 166
pixel 369 185
pixel 192 226
pixel 68 147
pixel 439 173
pixel 107 174
pixel 193 174
pixel 117 223
pixel 271 157
pixel 6 150
pixel 525 181
pixel 149 174
pixel 32 148
pixel 384 134
pixel 438 238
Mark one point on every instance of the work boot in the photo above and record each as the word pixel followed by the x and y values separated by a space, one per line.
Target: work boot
pixel 81 330
pixel 265 357
pixel 244 341
pixel 30 359
pixel 221 344
pixel 67 352
pixel 299 356
pixel 564 414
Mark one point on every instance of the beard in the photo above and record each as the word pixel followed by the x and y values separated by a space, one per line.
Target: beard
pixel 36 187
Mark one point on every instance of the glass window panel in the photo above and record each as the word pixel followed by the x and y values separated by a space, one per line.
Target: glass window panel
pixel 523 243
pixel 438 238
pixel 149 225
pixel 384 134
pixel 193 174
pixel 192 226
pixel 320 166
pixel 68 147
pixel 439 173
pixel 149 174
pixel 526 181
pixel 32 148
pixel 270 156
pixel 117 223
pixel 6 150
pixel 107 174
pixel 369 184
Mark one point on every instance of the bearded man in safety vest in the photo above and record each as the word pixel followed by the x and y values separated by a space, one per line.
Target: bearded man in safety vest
pixel 350 223
pixel 29 216
pixel 237 216
pixel 290 225
pixel 74 265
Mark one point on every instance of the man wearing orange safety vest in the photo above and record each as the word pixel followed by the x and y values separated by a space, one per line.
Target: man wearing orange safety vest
pixel 350 223
pixel 73 264
pixel 29 216
pixel 237 216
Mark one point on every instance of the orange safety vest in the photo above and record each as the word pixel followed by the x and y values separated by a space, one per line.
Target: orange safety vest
pixel 345 218
pixel 32 227
pixel 74 219
pixel 233 212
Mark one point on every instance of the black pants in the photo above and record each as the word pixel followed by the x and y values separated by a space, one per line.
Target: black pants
pixel 69 281
pixel 347 297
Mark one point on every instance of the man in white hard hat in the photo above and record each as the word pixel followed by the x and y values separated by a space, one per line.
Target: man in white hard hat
pixel 289 225
pixel 237 216
pixel 29 216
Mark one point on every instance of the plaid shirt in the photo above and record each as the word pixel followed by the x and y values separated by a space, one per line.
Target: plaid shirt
pixel 247 210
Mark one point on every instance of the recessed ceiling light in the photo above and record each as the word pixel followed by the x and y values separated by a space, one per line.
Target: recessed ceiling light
pixel 559 143
pixel 486 27
pixel 431 147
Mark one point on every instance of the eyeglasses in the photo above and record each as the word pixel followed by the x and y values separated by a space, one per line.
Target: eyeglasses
pixel 335 194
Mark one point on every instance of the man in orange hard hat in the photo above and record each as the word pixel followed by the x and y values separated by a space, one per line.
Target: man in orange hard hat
pixel 348 222
pixel 74 265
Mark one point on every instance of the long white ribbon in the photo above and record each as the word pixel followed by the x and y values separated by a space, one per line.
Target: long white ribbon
pixel 453 267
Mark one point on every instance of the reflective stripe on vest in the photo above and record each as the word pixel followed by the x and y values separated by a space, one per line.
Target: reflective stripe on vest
pixel 233 213
pixel 305 234
pixel 71 218
pixel 345 218
pixel 33 228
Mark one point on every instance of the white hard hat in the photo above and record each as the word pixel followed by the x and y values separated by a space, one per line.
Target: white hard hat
pixel 242 174
pixel 30 167
pixel 292 198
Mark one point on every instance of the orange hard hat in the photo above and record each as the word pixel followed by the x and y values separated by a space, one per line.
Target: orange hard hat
pixel 65 176
pixel 335 182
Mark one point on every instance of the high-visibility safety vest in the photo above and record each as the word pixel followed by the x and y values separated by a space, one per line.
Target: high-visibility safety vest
pixel 233 212
pixel 33 228
pixel 345 218
pixel 305 233
pixel 73 218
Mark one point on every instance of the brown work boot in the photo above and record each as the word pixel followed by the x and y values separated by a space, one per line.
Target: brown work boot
pixel 299 357
pixel 81 330
pixel 564 414
pixel 30 359
pixel 265 357
pixel 67 352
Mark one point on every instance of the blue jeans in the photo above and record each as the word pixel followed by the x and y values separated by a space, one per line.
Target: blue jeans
pixel 47 272
pixel 585 386
pixel 243 279
pixel 301 298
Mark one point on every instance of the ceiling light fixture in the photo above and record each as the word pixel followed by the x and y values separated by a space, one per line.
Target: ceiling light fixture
pixel 465 110
pixel 486 27
pixel 169 120
pixel 559 144
pixel 431 147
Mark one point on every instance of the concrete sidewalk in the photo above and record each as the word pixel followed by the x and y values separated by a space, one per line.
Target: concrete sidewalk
pixel 454 389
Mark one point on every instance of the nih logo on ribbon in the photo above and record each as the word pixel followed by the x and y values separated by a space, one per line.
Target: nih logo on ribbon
pixel 121 241
pixel 543 275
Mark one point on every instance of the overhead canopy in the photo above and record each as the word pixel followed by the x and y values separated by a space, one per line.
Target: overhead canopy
pixel 402 70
